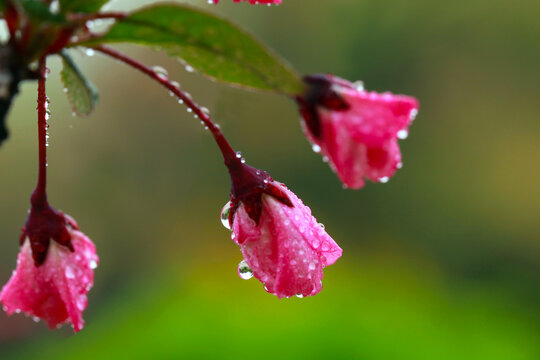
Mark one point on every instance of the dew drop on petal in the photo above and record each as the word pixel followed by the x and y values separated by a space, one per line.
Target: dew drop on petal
pixel 244 271
pixel 189 68
pixel 322 226
pixel 399 165
pixel 413 114
pixel 384 179
pixel 316 148
pixel 300 296
pixel 359 85
pixel 35 318
pixel 89 52
pixel 225 212
pixel 93 264
pixel 402 134
pixel 70 274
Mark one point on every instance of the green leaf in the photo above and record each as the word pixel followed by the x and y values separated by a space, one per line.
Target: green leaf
pixel 210 44
pixel 38 11
pixel 83 6
pixel 81 93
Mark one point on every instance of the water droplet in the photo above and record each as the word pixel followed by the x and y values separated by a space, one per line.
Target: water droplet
pixel 359 85
pixel 180 101
pixel 322 226
pixel 399 165
pixel 175 84
pixel 325 159
pixel 89 52
pixel 413 114
pixel 238 155
pixel 205 110
pixel 225 212
pixel 300 296
pixel 189 68
pixel 70 274
pixel 189 110
pixel 243 161
pixel 311 266
pixel 244 271
pixel 161 72
pixel 402 134
pixel 17 311
pixel 81 302
pixel 35 318
pixel 233 236
pixel 316 148
pixel 384 179
pixel 93 264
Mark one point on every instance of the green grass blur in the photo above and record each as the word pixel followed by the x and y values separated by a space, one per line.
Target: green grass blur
pixel 440 263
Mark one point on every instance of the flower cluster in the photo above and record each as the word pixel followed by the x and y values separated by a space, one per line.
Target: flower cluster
pixel 282 244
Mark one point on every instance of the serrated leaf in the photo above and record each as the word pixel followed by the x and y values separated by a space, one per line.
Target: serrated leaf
pixel 82 94
pixel 83 6
pixel 210 44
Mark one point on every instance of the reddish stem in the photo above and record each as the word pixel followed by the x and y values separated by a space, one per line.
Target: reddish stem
pixel 97 16
pixel 229 154
pixel 39 196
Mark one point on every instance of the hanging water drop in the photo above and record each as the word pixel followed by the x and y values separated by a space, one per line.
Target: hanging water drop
pixel 322 226
pixel 316 148
pixel 189 68
pixel 161 72
pixel 238 155
pixel 300 296
pixel 402 134
pixel 93 264
pixel 244 271
pixel 413 114
pixel 225 212
pixel 89 52
pixel 384 179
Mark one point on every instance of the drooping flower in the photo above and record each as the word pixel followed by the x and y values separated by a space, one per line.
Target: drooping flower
pixel 355 130
pixel 55 270
pixel 282 243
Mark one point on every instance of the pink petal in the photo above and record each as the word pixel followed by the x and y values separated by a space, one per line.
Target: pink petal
pixel 56 290
pixel 362 141
pixel 288 249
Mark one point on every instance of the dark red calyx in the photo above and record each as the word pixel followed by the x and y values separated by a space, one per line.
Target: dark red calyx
pixel 248 186
pixel 44 223
pixel 320 93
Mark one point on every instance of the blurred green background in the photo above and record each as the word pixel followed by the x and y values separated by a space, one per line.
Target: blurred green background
pixel 443 262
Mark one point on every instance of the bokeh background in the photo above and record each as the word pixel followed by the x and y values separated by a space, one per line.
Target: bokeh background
pixel 442 262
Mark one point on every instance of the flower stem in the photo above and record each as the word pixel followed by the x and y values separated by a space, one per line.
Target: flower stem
pixel 97 16
pixel 229 154
pixel 39 196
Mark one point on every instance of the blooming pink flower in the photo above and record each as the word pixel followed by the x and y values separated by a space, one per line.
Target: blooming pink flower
pixel 357 131
pixel 282 243
pixel 52 287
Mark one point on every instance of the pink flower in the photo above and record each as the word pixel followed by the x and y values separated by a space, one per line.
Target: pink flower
pixel 282 243
pixel 254 1
pixel 357 131
pixel 53 286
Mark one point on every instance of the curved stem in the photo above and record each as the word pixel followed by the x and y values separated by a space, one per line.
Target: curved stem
pixel 39 196
pixel 97 16
pixel 229 154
